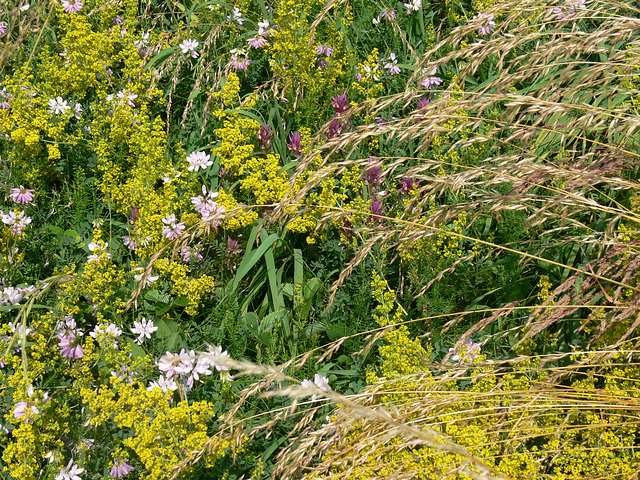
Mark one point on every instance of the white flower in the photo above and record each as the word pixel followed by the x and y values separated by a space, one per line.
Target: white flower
pixel 97 250
pixel 143 329
pixel 198 160
pixel 189 46
pixel 164 384
pixel 128 98
pixel 319 381
pixel 237 16
pixel 24 7
pixel 413 6
pixel 218 358
pixel 263 28
pixel 58 105
pixel 70 472
pixel 18 221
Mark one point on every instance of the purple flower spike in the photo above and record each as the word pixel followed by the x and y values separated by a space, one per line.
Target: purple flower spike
pixel 373 175
pixel 133 219
pixel 335 127
pixel 409 184
pixel 347 231
pixel 423 102
pixel 265 135
pixel 340 103
pixel 295 143
pixel 376 209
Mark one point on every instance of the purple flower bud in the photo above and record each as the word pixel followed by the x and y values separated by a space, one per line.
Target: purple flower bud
pixel 134 216
pixel 347 231
pixel 295 143
pixel 117 20
pixel 265 136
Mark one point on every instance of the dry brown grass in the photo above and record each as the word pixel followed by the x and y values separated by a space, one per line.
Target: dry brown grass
pixel 553 90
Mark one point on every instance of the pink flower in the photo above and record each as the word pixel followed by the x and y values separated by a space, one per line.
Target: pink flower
pixel 340 103
pixel 69 347
pixel 120 468
pixel 295 143
pixel 265 135
pixel 257 42
pixel 189 254
pixel 324 49
pixel 70 472
pixel 198 160
pixel 237 63
pixel 172 230
pixel 3 28
pixel 392 65
pixel 21 195
pixel 487 23
pixel 189 46
pixel 71 6
pixel 467 351
pixel 98 249
pixel 431 81
pixel 17 221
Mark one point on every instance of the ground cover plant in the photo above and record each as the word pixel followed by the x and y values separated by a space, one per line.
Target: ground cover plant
pixel 319 239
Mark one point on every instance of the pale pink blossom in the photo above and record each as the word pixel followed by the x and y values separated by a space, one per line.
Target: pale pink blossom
pixel 58 106
pixel 238 63
pixel 120 468
pixel 486 23
pixel 198 160
pixel 392 65
pixel 172 230
pixel 144 328
pixel 21 195
pixel 70 472
pixel 72 6
pixel 17 221
pixel 257 42
pixel 189 46
pixel 430 81
pixel 236 16
pixel 165 384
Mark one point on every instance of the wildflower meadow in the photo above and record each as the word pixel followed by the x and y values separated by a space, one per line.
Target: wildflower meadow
pixel 319 239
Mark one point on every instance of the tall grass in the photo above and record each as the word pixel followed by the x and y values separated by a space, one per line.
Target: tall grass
pixel 557 122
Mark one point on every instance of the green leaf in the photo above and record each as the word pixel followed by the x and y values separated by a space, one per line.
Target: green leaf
pixel 161 56
pixel 251 257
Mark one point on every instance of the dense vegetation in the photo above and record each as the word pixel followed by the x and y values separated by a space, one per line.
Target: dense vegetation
pixel 320 239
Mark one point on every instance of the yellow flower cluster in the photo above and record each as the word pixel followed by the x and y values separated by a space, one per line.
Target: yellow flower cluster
pixel 194 289
pixel 162 434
